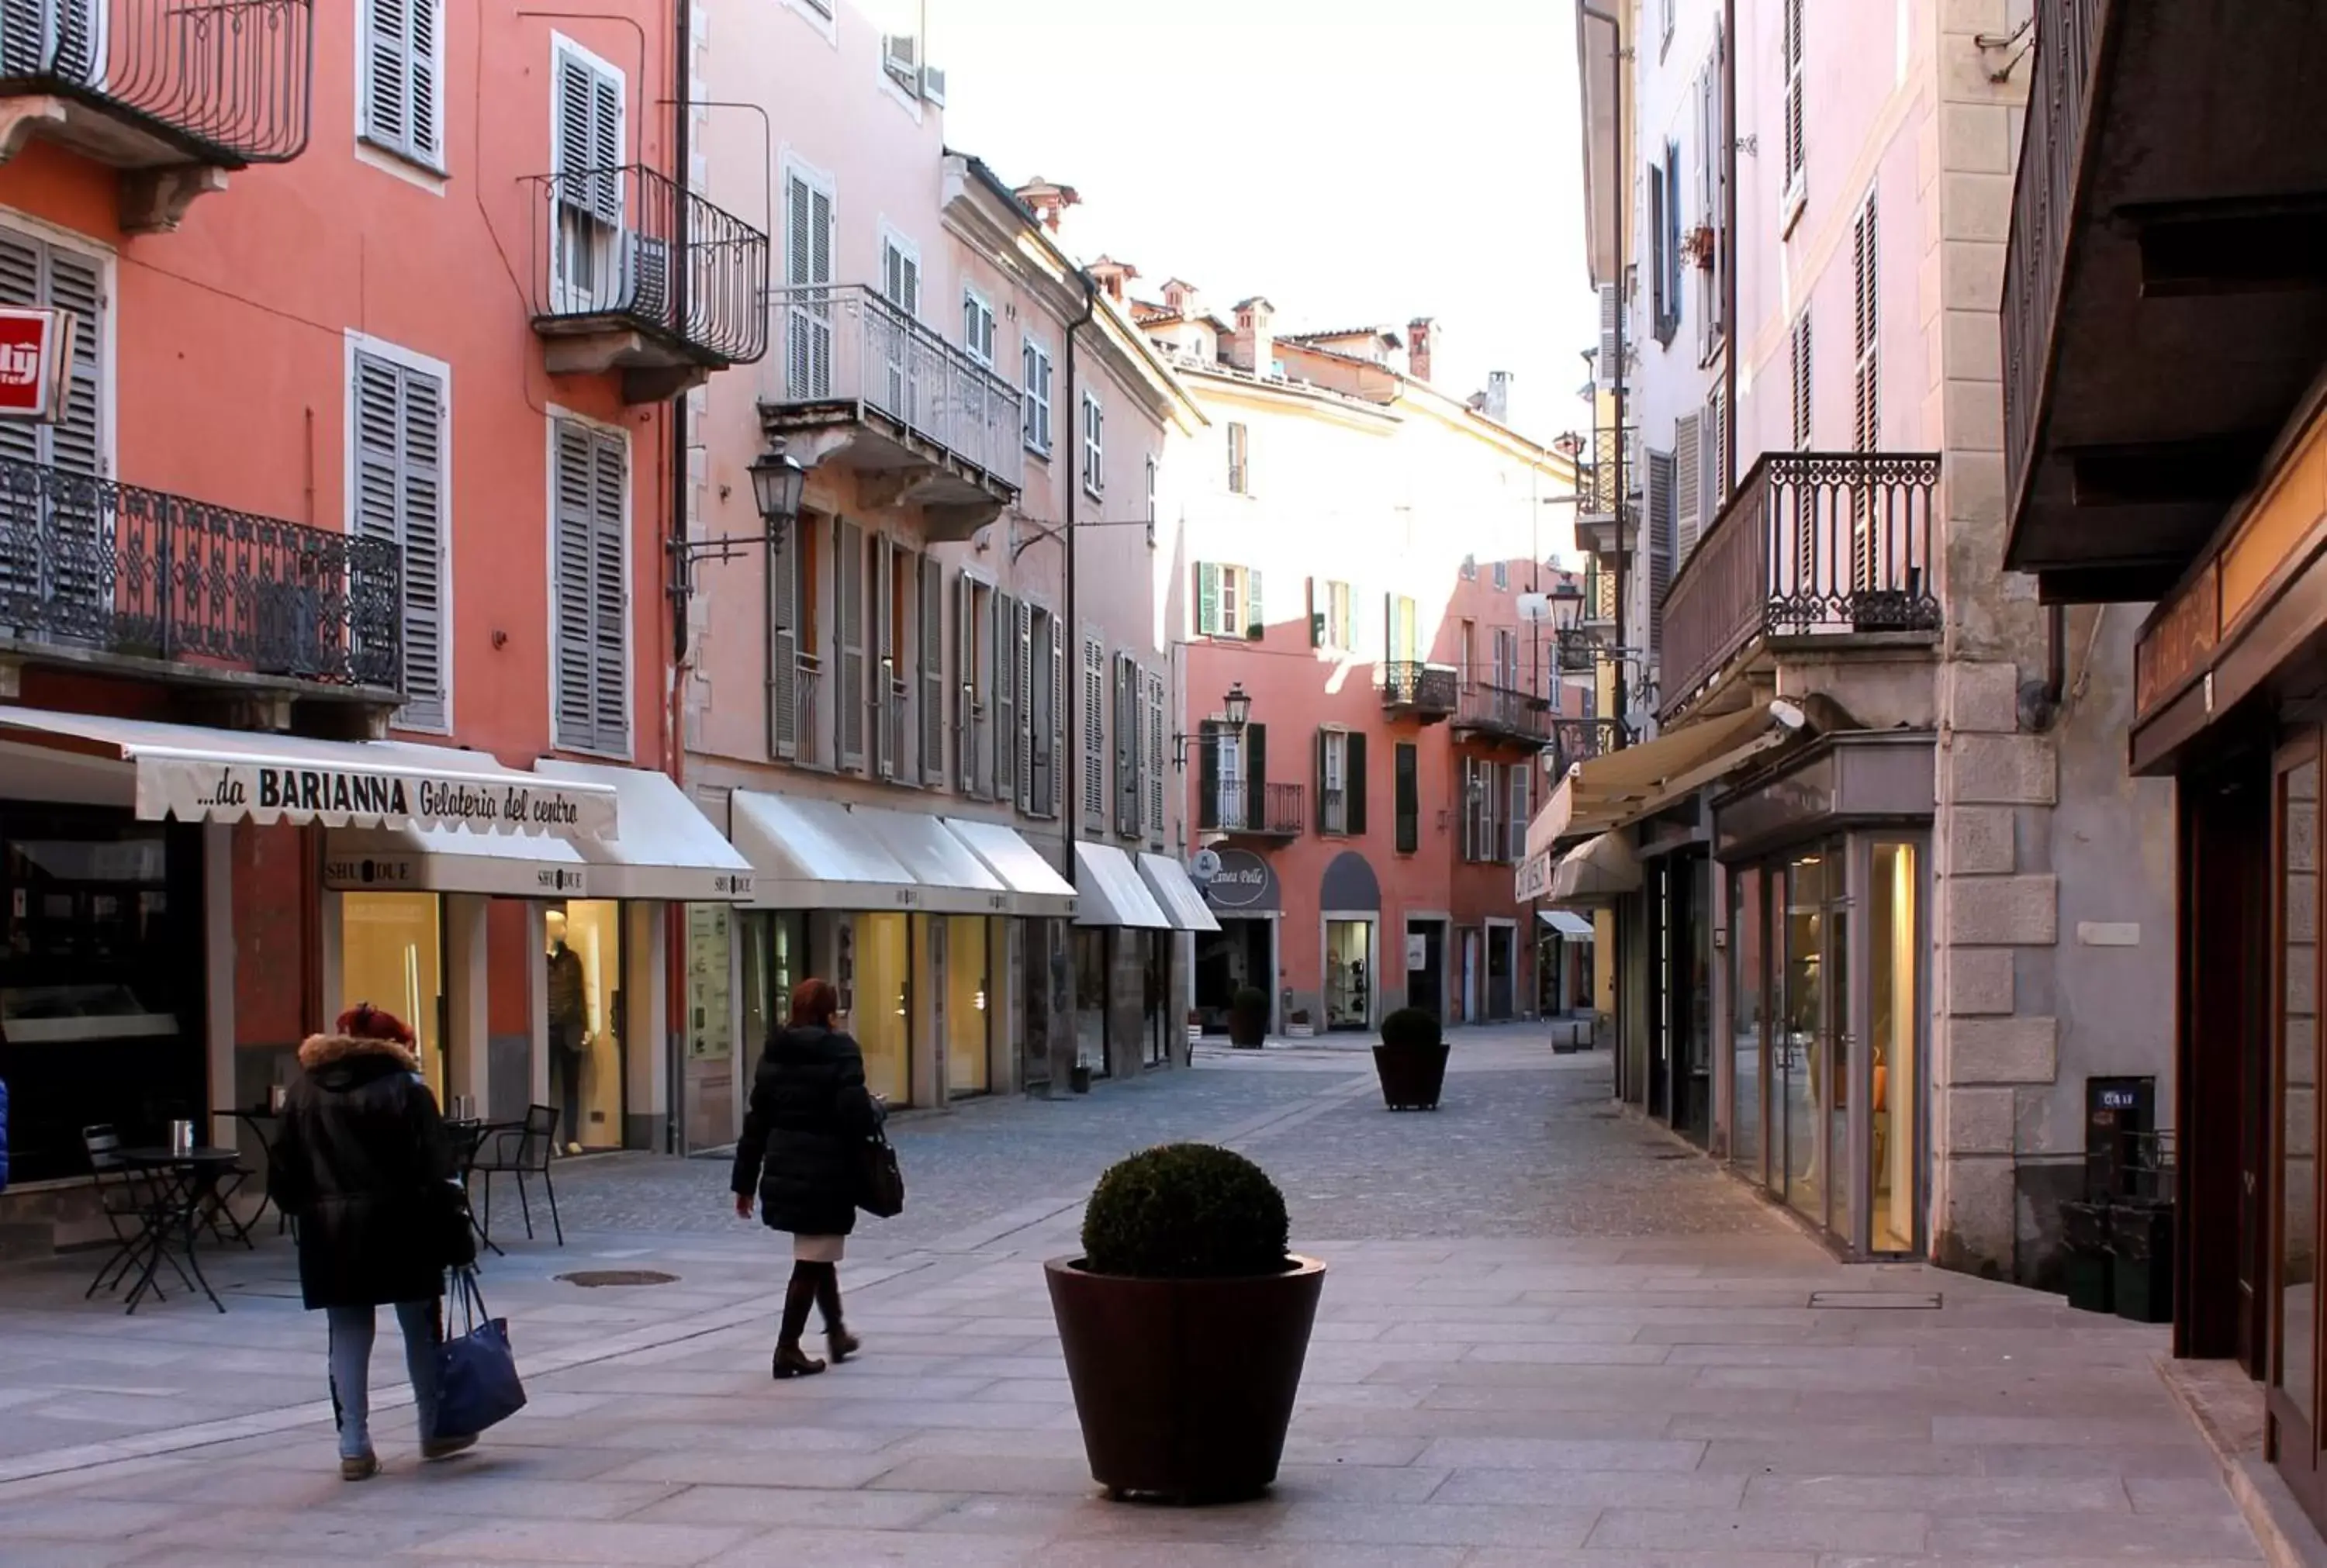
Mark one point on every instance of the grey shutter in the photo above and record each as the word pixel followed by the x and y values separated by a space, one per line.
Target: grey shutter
pixel 969 691
pixel 1255 623
pixel 1055 791
pixel 609 697
pixel 1609 366
pixel 576 626
pixel 1661 541
pixel 848 619
pixel 388 62
pixel 783 642
pixel 1152 763
pixel 932 654
pixel 1025 739
pixel 1003 629
pixel 1128 726
pixel 421 61
pixel 807 267
pixel 1713 478
pixel 589 139
pixel 1208 599
pixel 884 663
pixel 1688 470
pixel 1094 736
pixel 1516 826
pixel 399 427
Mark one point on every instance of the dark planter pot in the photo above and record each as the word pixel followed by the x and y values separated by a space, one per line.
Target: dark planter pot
pixel 1247 1029
pixel 1185 1387
pixel 1411 1075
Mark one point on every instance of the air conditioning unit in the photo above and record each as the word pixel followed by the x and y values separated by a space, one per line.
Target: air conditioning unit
pixel 646 275
pixel 933 86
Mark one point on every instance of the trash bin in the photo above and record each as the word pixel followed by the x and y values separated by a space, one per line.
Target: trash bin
pixel 2085 1237
pixel 2141 1237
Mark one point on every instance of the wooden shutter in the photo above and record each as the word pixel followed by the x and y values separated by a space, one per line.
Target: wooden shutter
pixel 1797 162
pixel 1608 366
pixel 1208 599
pixel 1688 469
pixel 932 653
pixel 1208 776
pixel 1712 178
pixel 970 691
pixel 1661 541
pixel 425 76
pixel 1256 771
pixel 783 642
pixel 399 430
pixel 1054 792
pixel 387 71
pixel 808 267
pixel 1316 615
pixel 1003 629
pixel 1713 474
pixel 1867 388
pixel 1152 764
pixel 1129 724
pixel 1406 791
pixel 1256 625
pixel 1025 707
pixel 589 139
pixel 1353 784
pixel 1515 827
pixel 848 619
pixel 1320 779
pixel 1801 367
pixel 593 699
pixel 884 703
pixel 1094 736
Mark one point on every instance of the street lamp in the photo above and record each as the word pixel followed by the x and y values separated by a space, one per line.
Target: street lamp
pixel 1235 709
pixel 778 483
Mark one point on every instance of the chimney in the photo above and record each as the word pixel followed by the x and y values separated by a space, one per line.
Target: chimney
pixel 1113 276
pixel 1048 202
pixel 1496 404
pixel 1253 345
pixel 1419 335
pixel 1181 298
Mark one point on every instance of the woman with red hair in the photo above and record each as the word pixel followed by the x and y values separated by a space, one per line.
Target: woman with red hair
pixel 802 1155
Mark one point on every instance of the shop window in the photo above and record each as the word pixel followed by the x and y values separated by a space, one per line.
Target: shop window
pixel 1891 943
pixel 1748 950
pixel 881 1013
pixel 969 1004
pixel 1348 975
pixel 584 958
pixel 392 956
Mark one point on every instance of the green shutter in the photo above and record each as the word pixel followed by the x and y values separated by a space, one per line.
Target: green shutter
pixel 1353 781
pixel 1208 599
pixel 1256 625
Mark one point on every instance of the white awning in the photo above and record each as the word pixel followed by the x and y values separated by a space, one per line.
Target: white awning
pixel 1036 887
pixel 952 880
pixel 453 860
pixel 204 775
pixel 1182 904
pixel 667 849
pixel 1571 928
pixel 810 855
pixel 1620 786
pixel 1112 892
pixel 1596 872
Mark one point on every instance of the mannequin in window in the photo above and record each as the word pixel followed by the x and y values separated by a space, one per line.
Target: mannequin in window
pixel 569 1028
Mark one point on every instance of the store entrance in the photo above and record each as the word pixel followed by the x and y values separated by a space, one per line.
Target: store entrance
pixel 582 952
pixel 1228 960
pixel 1425 982
pixel 1348 975
pixel 392 956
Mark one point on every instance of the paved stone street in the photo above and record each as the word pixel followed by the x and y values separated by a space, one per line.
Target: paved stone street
pixel 1545 1340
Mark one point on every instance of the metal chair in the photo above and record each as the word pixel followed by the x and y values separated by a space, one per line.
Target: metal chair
pixel 132 1206
pixel 520 1149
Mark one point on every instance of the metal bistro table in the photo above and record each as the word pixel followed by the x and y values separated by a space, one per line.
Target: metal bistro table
pixel 468 1134
pixel 183 1181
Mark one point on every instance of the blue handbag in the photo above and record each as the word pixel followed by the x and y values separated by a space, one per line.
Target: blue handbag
pixel 477 1380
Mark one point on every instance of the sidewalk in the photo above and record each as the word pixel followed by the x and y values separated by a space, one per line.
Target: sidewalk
pixel 1544 1340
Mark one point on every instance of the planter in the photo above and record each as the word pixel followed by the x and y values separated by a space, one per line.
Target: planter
pixel 1411 1075
pixel 1300 1031
pixel 1247 1029
pixel 1185 1387
pixel 1078 1078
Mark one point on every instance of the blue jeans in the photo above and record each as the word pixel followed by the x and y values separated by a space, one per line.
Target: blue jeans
pixel 352 1330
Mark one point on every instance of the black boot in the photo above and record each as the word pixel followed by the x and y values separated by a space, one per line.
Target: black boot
pixel 790 1360
pixel 836 1337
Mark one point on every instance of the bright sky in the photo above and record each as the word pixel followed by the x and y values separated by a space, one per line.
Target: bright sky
pixel 1359 161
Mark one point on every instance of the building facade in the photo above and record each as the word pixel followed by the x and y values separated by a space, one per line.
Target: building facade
pixel 1865 854
pixel 331 643
pixel 1365 812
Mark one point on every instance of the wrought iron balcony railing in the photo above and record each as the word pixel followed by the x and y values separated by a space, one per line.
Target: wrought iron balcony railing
pixel 844 343
pixel 97 567
pixel 1426 689
pixel 1596 472
pixel 628 250
pixel 1500 713
pixel 225 82
pixel 1574 740
pixel 1811 543
pixel 2069 37
pixel 1264 811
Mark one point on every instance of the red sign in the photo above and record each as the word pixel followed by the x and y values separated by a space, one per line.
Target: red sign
pixel 35 359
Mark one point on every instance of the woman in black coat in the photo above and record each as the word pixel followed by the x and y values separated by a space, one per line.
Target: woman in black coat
pixel 362 1164
pixel 802 1154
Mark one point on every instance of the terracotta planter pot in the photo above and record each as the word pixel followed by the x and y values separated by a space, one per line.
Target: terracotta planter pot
pixel 1247 1029
pixel 1411 1075
pixel 1185 1387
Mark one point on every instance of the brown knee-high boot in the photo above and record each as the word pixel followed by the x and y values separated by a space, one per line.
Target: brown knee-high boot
pixel 837 1337
pixel 790 1360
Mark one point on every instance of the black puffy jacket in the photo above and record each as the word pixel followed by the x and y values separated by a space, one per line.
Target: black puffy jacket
pixel 804 1137
pixel 363 1164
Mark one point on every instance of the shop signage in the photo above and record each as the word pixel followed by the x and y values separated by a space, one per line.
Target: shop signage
pixel 195 789
pixel 561 882
pixel 379 874
pixel 1418 951
pixel 732 884
pixel 1245 882
pixel 35 362
pixel 371 872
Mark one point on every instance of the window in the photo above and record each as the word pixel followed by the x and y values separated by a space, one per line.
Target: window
pixel 894 331
pixel 1042 734
pixel 1233 779
pixel 1150 502
pixel 1505 651
pixel 1867 329
pixel 1400 631
pixel 590 259
pixel 930 651
pixel 1331 624
pixel 1094 736
pixel 1483 800
pixel 1152 763
pixel 808 275
pixel 1796 182
pixel 402 64
pixel 1093 447
pixel 1239 459
pixel 1008 705
pixel 1665 9
pixel 1467 652
pixel 849 695
pixel 793 668
pixel 1502 577
pixel 75 577
pixel 1227 601
pixel 977 326
pixel 1406 781
pixel 973 668
pixel 1035 368
pixel 1711 200
pixel 1515 826
pixel 1664 239
pixel 1341 782
pixel 1130 695
pixel 887 697
pixel 592 597
pixel 400 496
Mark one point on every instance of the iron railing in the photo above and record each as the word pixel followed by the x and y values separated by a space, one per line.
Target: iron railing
pixel 2068 39
pixel 89 564
pixel 1499 711
pixel 808 691
pixel 233 77
pixel 1273 810
pixel 1427 688
pixel 1596 477
pixel 1811 543
pixel 604 244
pixel 846 343
pixel 1574 740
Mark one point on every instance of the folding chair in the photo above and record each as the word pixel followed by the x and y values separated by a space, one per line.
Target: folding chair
pixel 132 1205
pixel 520 1149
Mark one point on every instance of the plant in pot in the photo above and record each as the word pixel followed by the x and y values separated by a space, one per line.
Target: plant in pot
pixel 1411 1060
pixel 1299 1027
pixel 1248 1017
pixel 1186 1325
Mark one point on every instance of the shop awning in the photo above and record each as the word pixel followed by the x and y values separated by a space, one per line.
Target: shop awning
pixel 453 860
pixel 812 855
pixel 1182 904
pixel 952 880
pixel 1570 927
pixel 1036 887
pixel 1596 872
pixel 667 849
pixel 1111 891
pixel 195 774
pixel 1620 786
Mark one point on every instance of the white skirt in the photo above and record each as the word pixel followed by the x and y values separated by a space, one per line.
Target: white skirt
pixel 819 1248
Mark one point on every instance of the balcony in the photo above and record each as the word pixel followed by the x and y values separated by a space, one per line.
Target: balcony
pixel 110 578
pixel 1574 740
pixel 607 296
pixel 863 385
pixel 1234 812
pixel 2165 285
pixel 1497 714
pixel 1831 546
pixel 1597 483
pixel 173 92
pixel 1426 692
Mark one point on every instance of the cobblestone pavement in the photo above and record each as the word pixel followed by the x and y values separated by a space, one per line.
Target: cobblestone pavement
pixel 1542 1343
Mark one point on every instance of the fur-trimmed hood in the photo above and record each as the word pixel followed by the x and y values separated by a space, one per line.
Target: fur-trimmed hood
pixel 318 1051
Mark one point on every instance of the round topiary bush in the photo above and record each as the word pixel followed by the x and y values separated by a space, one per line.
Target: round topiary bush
pixel 1185 1211
pixel 1411 1026
pixel 1250 1001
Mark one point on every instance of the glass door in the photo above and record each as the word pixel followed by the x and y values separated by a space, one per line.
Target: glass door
pixel 1893 984
pixel 1808 980
pixel 2293 1388
pixel 1748 954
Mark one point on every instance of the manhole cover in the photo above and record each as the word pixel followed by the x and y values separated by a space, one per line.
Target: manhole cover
pixel 591 1278
pixel 1877 1300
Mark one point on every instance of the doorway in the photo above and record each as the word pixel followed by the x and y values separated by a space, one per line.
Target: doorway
pixel 1425 982
pixel 1239 954
pixel 584 959
pixel 1471 974
pixel 1349 974
pixel 1502 970
pixel 2293 1389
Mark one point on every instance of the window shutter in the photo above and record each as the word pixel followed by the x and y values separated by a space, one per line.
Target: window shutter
pixel 577 111
pixel 1353 785
pixel 1801 382
pixel 388 53
pixel 420 485
pixel 932 653
pixel 421 62
pixel 1515 827
pixel 883 666
pixel 1407 789
pixel 1609 366
pixel 1208 776
pixel 576 619
pixel 1321 781
pixel 783 643
pixel 1797 163
pixel 1316 616
pixel 610 677
pixel 1153 764
pixel 1256 625
pixel 1256 767
pixel 1128 726
pixel 1867 318
pixel 1054 793
pixel 1688 468
pixel 1661 541
pixel 1025 707
pixel 1208 599
pixel 970 691
pixel 1094 736
pixel 848 619
pixel 1712 475
pixel 1008 768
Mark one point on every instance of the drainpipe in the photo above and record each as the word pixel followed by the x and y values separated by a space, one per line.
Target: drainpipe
pixel 674 932
pixel 1069 803
pixel 1725 257
pixel 1616 232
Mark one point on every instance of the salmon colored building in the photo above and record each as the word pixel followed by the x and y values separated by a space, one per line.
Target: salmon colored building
pixel 334 630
